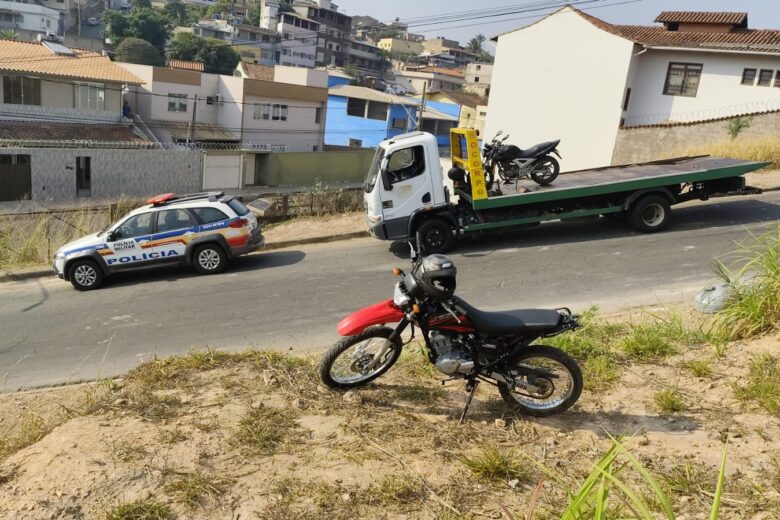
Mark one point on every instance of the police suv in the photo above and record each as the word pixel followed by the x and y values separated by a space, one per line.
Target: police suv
pixel 203 229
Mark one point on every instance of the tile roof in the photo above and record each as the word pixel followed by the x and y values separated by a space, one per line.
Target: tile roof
pixel 369 94
pixel 441 70
pixel 462 98
pixel 36 131
pixel 34 58
pixel 747 40
pixel 255 71
pixel 706 17
pixel 185 65
pixel 202 132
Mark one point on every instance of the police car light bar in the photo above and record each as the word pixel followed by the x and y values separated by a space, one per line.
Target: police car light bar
pixel 160 199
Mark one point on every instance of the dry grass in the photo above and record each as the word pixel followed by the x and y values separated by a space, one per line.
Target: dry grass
pixel 670 400
pixel 31 429
pixel 33 239
pixel 197 489
pixel 763 384
pixel 750 149
pixel 263 429
pixel 494 462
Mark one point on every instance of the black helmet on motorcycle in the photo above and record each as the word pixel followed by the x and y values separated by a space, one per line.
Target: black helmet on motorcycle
pixel 457 174
pixel 436 275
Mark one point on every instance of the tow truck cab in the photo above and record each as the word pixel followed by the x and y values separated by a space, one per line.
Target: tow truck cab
pixel 404 183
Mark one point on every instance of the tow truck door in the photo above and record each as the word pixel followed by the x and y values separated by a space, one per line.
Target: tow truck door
pixel 406 188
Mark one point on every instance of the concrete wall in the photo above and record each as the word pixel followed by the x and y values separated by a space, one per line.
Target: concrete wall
pixel 567 91
pixel 720 92
pixel 652 143
pixel 115 173
pixel 304 169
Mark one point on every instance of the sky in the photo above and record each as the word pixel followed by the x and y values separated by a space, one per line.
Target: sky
pixel 763 14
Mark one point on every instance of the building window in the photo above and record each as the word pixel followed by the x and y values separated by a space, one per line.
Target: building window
pixel 315 148
pixel 399 123
pixel 318 115
pixel 89 96
pixel 279 113
pixel 356 107
pixel 262 112
pixel 177 102
pixel 21 90
pixel 355 143
pixel 377 110
pixel 765 77
pixel 777 79
pixel 682 79
pixel 83 176
pixel 748 76
pixel 476 79
pixel 628 98
pixel 406 163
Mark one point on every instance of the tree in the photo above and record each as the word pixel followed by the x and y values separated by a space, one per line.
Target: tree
pixel 285 6
pixel 144 23
pixel 221 7
pixel 135 50
pixel 176 12
pixel 217 57
pixel 475 44
pixel 253 16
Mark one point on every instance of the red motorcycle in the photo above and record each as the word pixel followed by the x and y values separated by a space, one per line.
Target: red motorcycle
pixel 461 341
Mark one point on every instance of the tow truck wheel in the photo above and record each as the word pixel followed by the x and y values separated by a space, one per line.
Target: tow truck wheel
pixel 650 214
pixel 435 236
pixel 85 275
pixel 209 259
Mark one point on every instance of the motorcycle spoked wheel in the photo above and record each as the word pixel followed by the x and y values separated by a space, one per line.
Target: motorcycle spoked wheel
pixel 345 364
pixel 545 170
pixel 556 394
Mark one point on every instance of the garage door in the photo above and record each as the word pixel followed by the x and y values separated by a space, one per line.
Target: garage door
pixel 221 171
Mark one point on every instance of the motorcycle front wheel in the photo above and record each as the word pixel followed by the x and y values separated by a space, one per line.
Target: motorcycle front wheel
pixel 545 170
pixel 350 362
pixel 553 394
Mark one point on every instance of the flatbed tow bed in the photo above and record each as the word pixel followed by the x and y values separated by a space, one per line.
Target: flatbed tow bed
pixel 405 196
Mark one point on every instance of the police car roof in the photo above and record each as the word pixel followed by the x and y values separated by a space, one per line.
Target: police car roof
pixel 212 196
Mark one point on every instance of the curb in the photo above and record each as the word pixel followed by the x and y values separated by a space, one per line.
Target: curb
pixel 19 276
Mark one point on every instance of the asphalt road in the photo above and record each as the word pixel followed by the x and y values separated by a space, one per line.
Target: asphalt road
pixel 292 299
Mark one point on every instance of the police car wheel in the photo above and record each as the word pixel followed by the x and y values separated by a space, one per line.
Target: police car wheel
pixel 210 259
pixel 85 275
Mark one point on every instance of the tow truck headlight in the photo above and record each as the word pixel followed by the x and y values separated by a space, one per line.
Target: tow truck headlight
pixel 374 218
pixel 400 299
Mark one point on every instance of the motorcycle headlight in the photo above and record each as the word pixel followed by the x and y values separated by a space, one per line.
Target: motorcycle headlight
pixel 400 299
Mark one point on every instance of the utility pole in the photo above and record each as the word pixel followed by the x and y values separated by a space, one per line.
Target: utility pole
pixel 190 135
pixel 422 106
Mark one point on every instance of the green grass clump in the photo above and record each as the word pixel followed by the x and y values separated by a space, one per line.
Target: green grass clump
pixel 754 306
pixel 497 463
pixel 669 400
pixel 262 429
pixel 698 367
pixel 145 509
pixel 197 489
pixel 647 342
pixel 763 385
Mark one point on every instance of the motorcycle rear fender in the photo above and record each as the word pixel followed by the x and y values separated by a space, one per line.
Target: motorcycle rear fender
pixel 377 314
pixel 556 152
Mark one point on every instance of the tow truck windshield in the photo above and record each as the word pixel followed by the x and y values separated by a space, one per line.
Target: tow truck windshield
pixel 373 171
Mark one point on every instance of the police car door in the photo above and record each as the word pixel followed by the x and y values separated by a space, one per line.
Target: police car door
pixel 176 227
pixel 126 241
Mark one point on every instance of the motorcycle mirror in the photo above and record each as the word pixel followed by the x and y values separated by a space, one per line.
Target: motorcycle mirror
pixel 499 133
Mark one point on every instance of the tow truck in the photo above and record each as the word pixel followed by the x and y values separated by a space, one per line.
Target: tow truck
pixel 406 197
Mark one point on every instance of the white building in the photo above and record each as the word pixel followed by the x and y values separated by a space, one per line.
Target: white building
pixel 594 77
pixel 478 78
pixel 26 15
pixel 414 80
pixel 299 40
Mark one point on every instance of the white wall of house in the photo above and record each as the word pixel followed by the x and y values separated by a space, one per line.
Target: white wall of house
pixel 28 16
pixel 300 133
pixel 571 91
pixel 300 76
pixel 720 92
pixel 229 113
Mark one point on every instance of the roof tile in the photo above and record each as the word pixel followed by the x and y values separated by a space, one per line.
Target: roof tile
pixel 34 58
pixel 706 17
pixel 255 71
pixel 185 65
pixel 35 131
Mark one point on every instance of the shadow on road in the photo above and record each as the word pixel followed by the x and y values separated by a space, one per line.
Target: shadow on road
pixel 686 217
pixel 262 260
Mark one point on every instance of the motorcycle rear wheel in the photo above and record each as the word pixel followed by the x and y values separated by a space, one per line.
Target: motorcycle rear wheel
pixel 545 170
pixel 344 365
pixel 561 392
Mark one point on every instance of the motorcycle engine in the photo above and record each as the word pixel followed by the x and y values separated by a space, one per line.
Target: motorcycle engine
pixel 452 356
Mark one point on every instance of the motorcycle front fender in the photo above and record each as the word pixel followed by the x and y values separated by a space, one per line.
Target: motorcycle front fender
pixel 377 314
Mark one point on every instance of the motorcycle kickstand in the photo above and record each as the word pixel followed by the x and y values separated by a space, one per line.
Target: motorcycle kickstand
pixel 473 390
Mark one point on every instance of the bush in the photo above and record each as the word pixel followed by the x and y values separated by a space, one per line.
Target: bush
pixel 136 50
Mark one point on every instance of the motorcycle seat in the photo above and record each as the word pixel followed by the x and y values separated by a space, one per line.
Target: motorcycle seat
pixel 539 149
pixel 511 322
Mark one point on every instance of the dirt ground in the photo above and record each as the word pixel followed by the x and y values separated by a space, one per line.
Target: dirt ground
pixel 219 436
pixel 312 227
